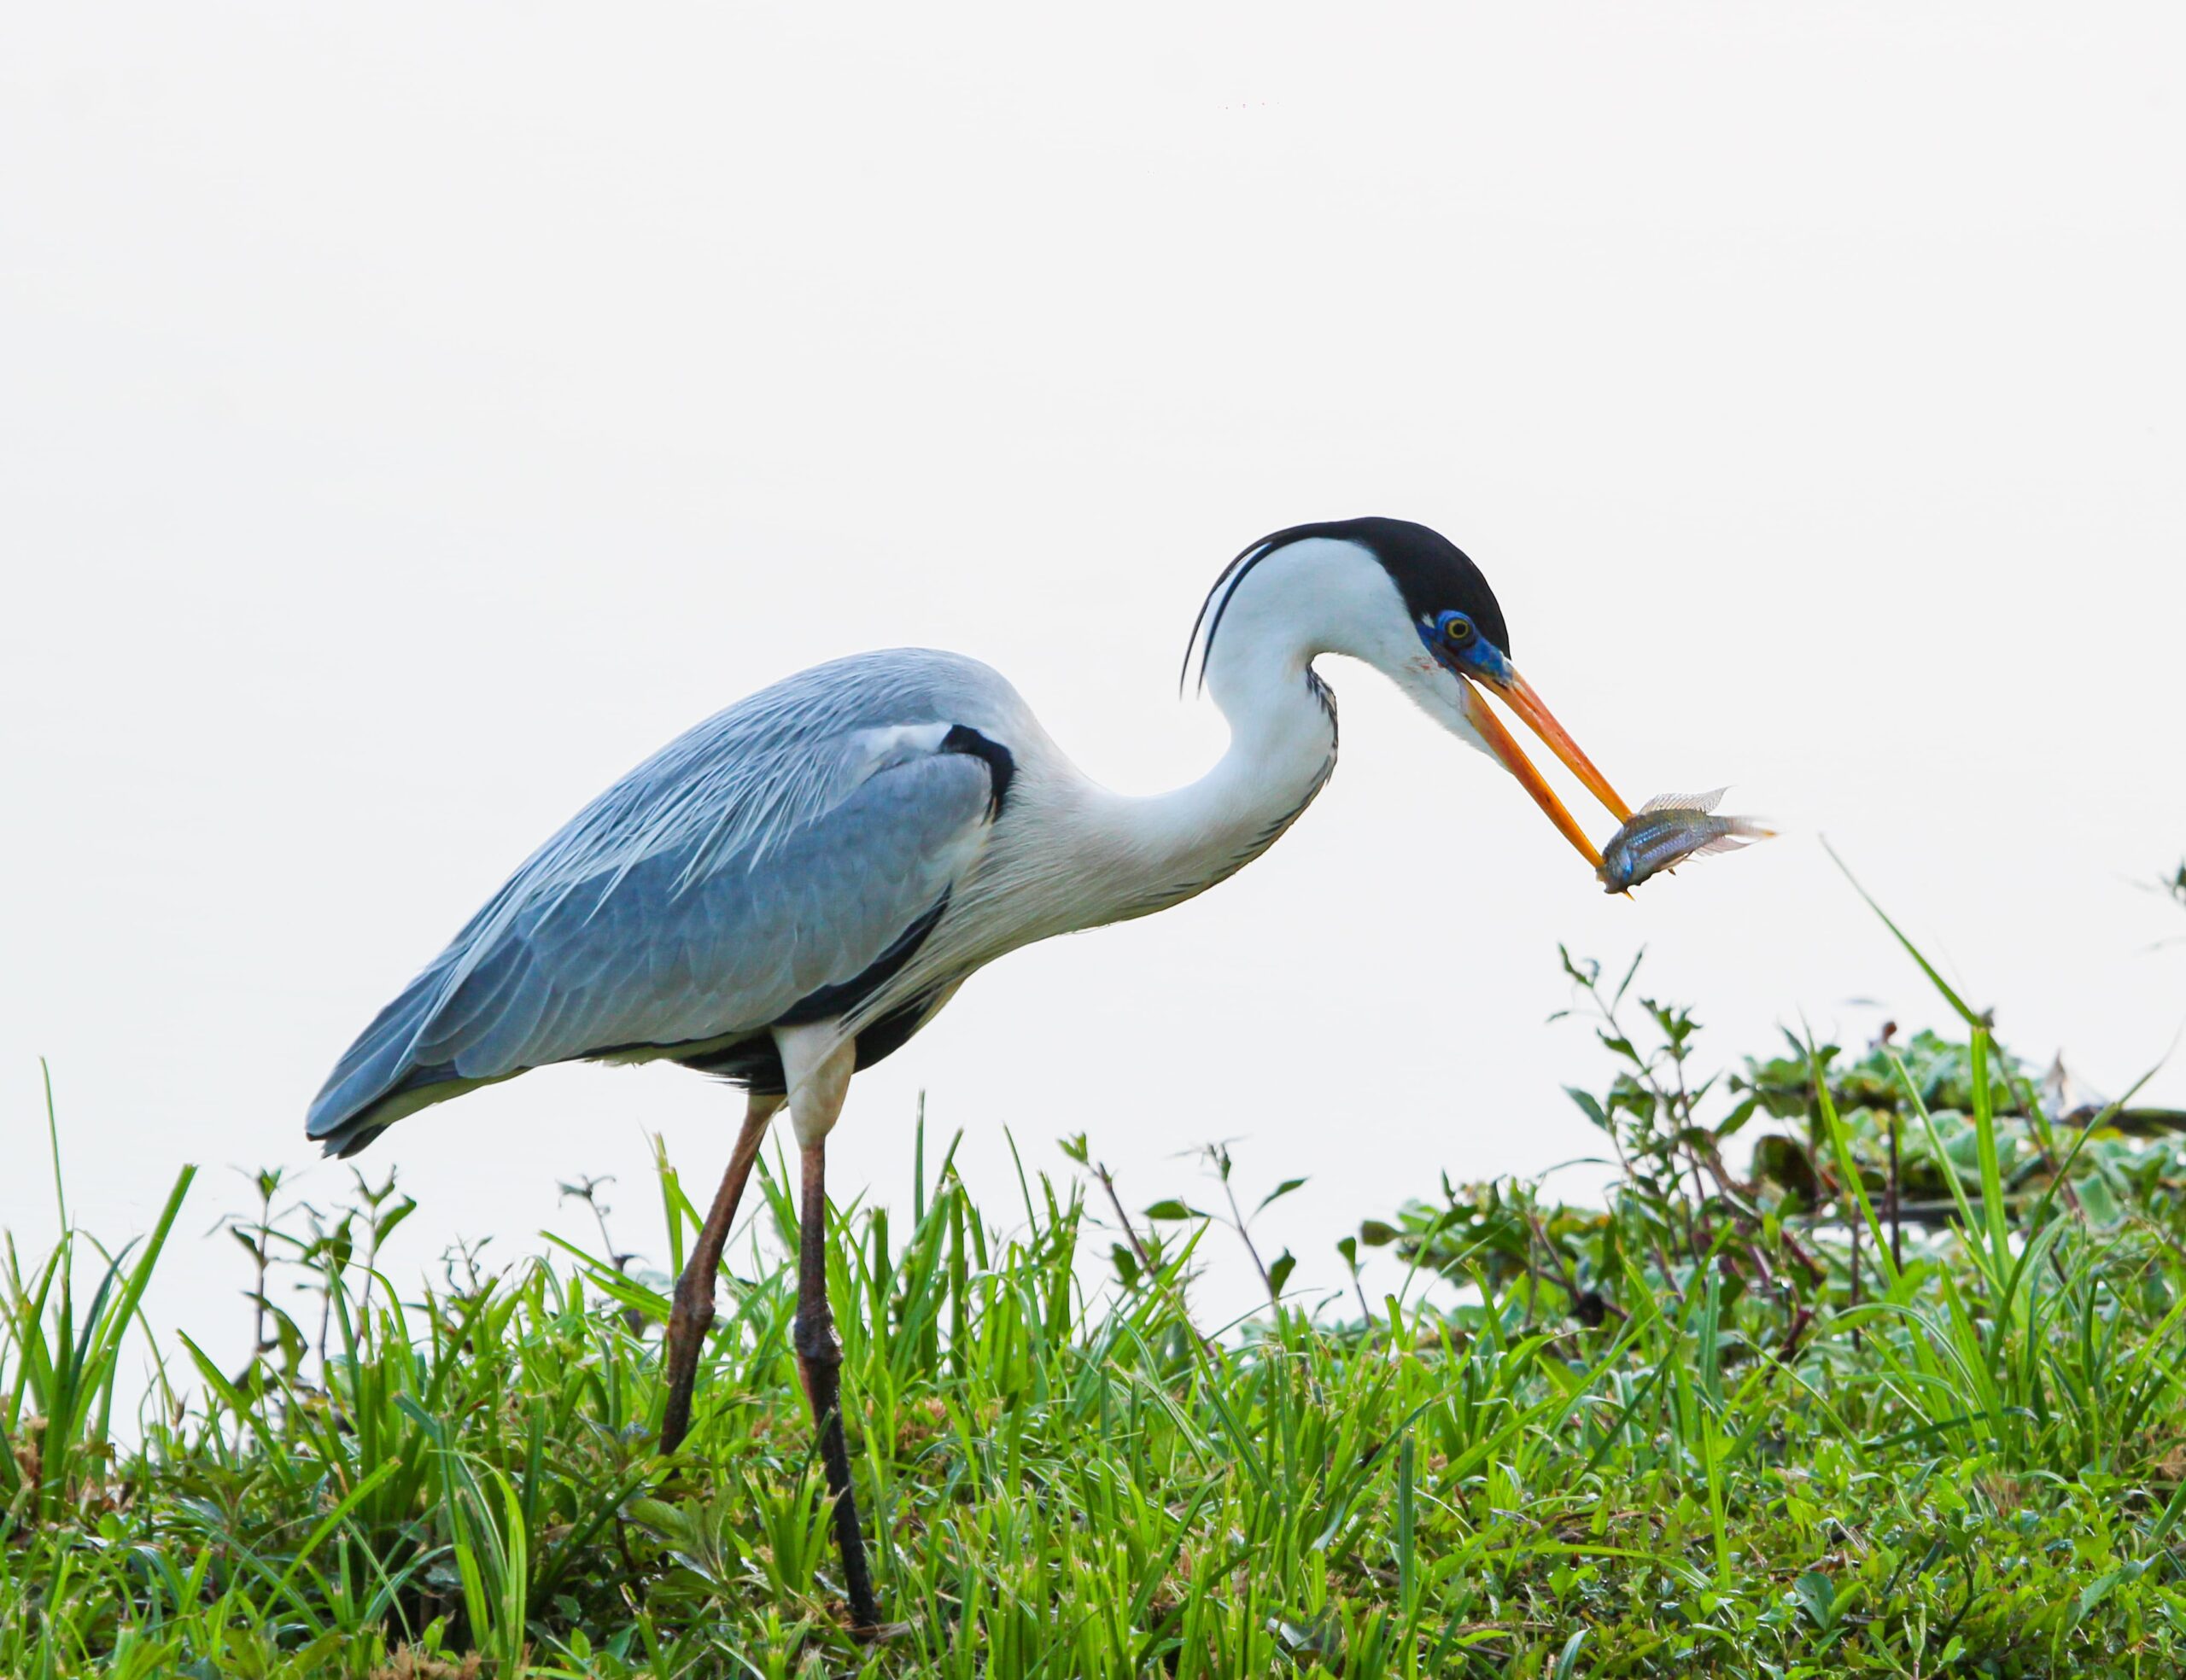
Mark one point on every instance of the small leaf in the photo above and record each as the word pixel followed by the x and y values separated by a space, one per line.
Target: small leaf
pixel 1279 1192
pixel 1074 1146
pixel 657 1517
pixel 1587 1105
pixel 1279 1273
pixel 1375 1233
pixel 1309 1643
pixel 1817 1597
pixel 2097 1202
pixel 1586 975
pixel 1623 1046
pixel 290 1340
pixel 1172 1209
pixel 1348 1248
pixel 1126 1264
pixel 1737 1116
pixel 384 1226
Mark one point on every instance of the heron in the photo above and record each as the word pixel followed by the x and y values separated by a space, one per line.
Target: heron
pixel 789 891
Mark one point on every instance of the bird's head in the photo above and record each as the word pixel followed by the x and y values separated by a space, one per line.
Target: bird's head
pixel 1408 601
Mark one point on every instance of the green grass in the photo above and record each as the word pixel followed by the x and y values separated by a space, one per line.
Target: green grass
pixel 1905 1396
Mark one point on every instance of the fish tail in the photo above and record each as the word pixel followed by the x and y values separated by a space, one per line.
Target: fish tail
pixel 1734 834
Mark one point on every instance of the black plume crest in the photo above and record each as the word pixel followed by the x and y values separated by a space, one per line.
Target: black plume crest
pixel 1432 572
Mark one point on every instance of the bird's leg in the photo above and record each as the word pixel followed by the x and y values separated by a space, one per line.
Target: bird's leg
pixel 819 1363
pixel 816 1065
pixel 693 1313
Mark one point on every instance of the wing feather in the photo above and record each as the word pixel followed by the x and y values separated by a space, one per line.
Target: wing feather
pixel 774 852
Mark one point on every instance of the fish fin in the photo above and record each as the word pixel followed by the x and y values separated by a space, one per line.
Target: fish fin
pixel 1751 828
pixel 1684 801
pixel 1722 843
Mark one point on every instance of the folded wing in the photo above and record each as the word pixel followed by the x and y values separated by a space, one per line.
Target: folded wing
pixel 767 858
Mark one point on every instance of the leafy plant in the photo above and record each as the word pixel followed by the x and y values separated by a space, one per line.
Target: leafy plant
pixel 1863 1363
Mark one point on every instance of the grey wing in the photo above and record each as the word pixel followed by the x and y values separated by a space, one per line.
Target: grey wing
pixel 638 926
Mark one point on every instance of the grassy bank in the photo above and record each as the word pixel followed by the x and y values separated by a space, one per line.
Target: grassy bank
pixel 1905 1396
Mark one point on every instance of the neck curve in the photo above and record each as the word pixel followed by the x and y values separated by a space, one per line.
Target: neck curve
pixel 1140 854
pixel 1092 856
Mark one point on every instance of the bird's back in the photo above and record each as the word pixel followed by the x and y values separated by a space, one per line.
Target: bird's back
pixel 776 850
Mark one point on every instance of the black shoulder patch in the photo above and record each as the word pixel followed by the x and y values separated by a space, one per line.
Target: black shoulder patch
pixel 1000 766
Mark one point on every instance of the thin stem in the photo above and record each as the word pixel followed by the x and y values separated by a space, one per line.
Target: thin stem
pixel 1237 1224
pixel 1145 1260
pixel 1359 1289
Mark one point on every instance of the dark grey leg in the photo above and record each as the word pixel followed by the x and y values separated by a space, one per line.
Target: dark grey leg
pixel 819 1363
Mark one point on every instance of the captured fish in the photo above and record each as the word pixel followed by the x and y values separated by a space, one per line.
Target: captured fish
pixel 1666 831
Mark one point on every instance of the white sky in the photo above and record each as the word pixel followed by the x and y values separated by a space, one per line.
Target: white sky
pixel 410 416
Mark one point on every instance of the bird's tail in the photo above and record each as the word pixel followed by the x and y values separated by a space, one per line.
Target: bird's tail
pixel 374 1084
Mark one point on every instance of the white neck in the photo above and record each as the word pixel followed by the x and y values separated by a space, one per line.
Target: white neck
pixel 1145 853
pixel 1136 855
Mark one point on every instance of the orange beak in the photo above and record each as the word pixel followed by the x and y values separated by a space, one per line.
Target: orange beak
pixel 1518 694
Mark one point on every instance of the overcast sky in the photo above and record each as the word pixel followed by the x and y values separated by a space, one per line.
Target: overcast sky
pixel 411 416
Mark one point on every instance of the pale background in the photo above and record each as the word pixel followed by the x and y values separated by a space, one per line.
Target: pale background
pixel 411 416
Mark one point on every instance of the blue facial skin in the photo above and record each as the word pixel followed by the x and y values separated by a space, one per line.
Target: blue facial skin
pixel 1454 640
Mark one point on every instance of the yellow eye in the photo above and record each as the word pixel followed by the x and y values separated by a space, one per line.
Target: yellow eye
pixel 1458 628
